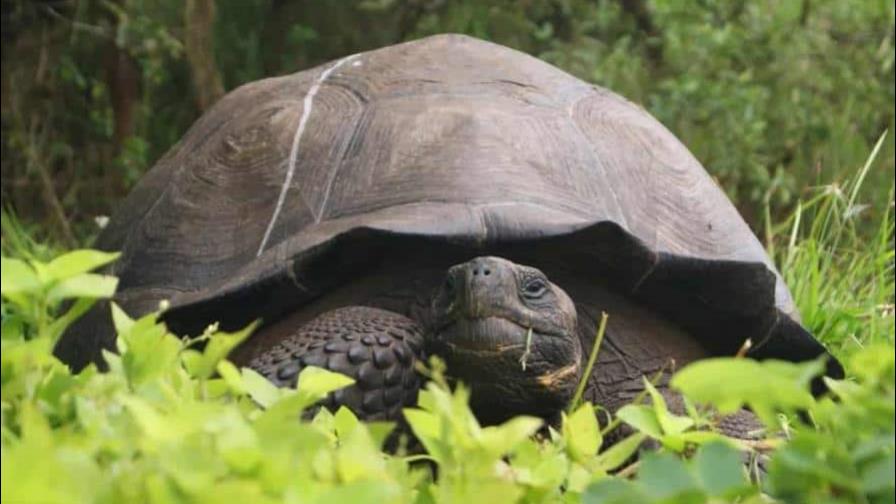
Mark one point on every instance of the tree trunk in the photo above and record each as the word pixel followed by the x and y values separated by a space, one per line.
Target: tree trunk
pixel 199 18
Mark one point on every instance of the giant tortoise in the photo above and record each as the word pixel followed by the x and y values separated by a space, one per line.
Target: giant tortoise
pixel 453 197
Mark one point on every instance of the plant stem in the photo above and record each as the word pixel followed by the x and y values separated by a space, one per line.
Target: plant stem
pixel 601 329
pixel 526 352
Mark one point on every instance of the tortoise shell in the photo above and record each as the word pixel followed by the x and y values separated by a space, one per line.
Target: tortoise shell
pixel 289 184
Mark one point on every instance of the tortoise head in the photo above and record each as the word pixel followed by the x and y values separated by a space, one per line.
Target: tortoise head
pixel 510 334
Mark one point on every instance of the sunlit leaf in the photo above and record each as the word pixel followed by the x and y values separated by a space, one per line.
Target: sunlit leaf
pixel 78 262
pixel 620 452
pixel 582 432
pixel 219 344
pixel 318 382
pixel 17 277
pixel 731 383
pixel 720 470
pixel 86 285
pixel 642 418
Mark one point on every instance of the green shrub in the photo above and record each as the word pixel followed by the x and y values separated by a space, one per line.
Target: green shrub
pixel 171 423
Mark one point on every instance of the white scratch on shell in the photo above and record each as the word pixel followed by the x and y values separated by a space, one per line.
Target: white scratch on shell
pixel 294 150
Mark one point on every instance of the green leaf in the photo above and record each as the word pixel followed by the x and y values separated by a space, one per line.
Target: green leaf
pixel 428 429
pixel 17 277
pixel 148 350
pixel 318 382
pixel 360 492
pixel 877 478
pixel 669 422
pixel 664 476
pixel 122 322
pixel 619 453
pixel 502 439
pixel 88 285
pixel 614 491
pixel 78 262
pixel 231 375
pixel 731 383
pixel 259 388
pixel 344 421
pixel 720 470
pixel 582 432
pixel 202 365
pixel 13 328
pixel 642 418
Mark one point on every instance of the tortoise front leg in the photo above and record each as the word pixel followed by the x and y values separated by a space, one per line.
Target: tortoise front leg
pixel 377 348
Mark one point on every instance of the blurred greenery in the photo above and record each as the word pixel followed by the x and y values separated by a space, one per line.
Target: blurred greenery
pixel 773 97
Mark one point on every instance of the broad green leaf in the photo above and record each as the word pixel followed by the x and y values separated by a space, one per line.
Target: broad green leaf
pixel 242 491
pixel 699 437
pixel 812 458
pixel 122 322
pixel 579 477
pixel 614 491
pixel 150 351
pixel 325 422
pixel 318 382
pixel 260 389
pixel 360 492
pixel 582 432
pixel 669 422
pixel 540 465
pixel 88 285
pixel 664 476
pixel 642 418
pixel 156 426
pixel 501 439
pixel 78 262
pixel 344 421
pixel 12 328
pixel 281 415
pixel 619 453
pixel 17 277
pixel 731 383
pixel 219 344
pixel 877 478
pixel 428 429
pixel 720 470
pixel 231 375
pixel 380 431
pixel 39 468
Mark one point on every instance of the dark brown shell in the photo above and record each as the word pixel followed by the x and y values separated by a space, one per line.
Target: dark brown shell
pixel 445 138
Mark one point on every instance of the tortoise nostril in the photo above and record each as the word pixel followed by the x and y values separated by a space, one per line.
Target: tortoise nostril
pixel 486 272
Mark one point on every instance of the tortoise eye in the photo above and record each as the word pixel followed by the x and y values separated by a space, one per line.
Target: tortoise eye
pixel 535 289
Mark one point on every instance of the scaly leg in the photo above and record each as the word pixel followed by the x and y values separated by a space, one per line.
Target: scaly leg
pixel 376 347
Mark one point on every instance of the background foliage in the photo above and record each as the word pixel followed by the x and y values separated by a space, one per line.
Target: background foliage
pixel 773 97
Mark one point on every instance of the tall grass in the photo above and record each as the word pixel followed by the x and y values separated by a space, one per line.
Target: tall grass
pixel 837 256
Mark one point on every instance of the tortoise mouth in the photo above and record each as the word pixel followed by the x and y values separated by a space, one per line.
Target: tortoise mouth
pixel 511 368
pixel 488 335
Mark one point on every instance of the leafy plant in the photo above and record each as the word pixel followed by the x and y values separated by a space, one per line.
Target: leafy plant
pixel 170 422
